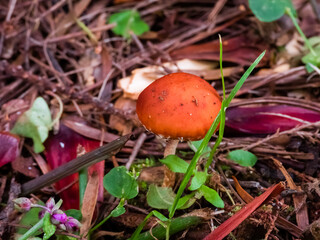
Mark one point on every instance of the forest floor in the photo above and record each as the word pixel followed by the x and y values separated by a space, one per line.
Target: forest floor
pixel 90 77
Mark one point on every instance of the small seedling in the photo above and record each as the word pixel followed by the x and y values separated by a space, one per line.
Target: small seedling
pixel 120 184
pixel 128 22
pixel 271 10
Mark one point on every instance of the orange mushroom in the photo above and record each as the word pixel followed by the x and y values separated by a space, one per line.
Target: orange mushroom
pixel 178 106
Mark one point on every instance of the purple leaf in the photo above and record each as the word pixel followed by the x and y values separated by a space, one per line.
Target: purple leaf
pixel 9 147
pixel 267 119
pixel 62 148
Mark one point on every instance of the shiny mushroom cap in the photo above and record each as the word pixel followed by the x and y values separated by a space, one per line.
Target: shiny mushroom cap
pixel 178 106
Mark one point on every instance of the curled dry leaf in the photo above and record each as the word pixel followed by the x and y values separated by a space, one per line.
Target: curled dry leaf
pixel 143 77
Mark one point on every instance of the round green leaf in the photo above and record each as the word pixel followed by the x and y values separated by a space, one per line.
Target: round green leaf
pixel 242 157
pixel 175 164
pixel 160 197
pixel 268 10
pixel 119 183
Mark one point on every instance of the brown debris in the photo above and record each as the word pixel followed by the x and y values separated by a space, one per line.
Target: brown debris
pixel 45 52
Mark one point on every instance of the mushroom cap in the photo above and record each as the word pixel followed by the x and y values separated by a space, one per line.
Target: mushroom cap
pixel 178 106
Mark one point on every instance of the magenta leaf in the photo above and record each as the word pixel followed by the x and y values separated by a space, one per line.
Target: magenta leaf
pixel 62 148
pixel 9 147
pixel 267 119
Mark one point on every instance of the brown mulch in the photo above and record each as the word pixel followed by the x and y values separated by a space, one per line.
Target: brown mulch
pixel 44 52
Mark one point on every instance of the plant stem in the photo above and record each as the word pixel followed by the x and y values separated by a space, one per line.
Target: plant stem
pixel 121 203
pixel 305 39
pixel 221 69
pixel 176 225
pixel 168 230
pixel 31 232
pixel 87 31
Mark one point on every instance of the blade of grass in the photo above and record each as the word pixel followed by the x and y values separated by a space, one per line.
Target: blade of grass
pixel 222 113
pixel 305 39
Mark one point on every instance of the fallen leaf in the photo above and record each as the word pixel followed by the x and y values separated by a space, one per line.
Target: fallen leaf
pixel 89 202
pixel 120 124
pixel 280 221
pixel 133 85
pixel 35 123
pixel 9 147
pixel 25 166
pixel 267 119
pixel 229 225
pixel 241 49
pixel 243 194
pixel 300 203
pixel 62 148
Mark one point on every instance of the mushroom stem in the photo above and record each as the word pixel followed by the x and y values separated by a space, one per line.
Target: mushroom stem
pixel 171 147
pixel 169 176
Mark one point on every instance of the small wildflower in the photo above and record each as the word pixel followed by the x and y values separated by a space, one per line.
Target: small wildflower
pixel 22 204
pixel 50 203
pixel 58 217
pixel 72 224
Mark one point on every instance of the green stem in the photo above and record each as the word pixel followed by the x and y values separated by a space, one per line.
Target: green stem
pixel 222 114
pixel 176 225
pixel 168 230
pixel 121 203
pixel 305 39
pixel 221 69
pixel 136 233
pixel 87 31
pixel 221 132
pixel 32 231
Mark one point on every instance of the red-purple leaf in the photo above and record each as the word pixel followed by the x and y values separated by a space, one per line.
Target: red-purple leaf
pixel 62 148
pixel 225 228
pixel 268 119
pixel 9 147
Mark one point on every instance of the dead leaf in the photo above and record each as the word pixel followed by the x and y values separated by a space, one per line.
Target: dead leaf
pixel 133 85
pixel 299 200
pixel 280 221
pixel 225 228
pixel 120 124
pixel 240 49
pixel 243 194
pixel 25 166
pixel 89 202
